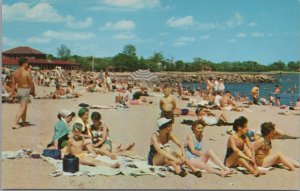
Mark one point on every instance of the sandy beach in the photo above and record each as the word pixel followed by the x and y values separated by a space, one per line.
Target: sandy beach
pixel 136 125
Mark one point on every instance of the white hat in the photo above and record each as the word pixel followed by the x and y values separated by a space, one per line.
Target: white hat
pixel 66 112
pixel 162 121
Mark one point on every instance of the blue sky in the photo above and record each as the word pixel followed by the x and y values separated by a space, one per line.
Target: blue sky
pixel 218 30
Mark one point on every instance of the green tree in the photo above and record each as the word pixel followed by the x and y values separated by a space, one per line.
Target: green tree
pixel 179 65
pixel 293 66
pixel 279 65
pixel 129 50
pixel 63 52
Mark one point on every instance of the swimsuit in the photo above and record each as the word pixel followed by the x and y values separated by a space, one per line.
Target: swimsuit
pixel 184 111
pixel 168 115
pixel 153 151
pixel 197 147
pixel 23 94
pixel 229 152
pixel 97 136
pixel 262 152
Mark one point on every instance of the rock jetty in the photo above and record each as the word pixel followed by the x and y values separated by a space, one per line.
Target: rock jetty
pixel 193 77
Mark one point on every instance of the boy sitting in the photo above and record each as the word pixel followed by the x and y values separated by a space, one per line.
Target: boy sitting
pixel 76 145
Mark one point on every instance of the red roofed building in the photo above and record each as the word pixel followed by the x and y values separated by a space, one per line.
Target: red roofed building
pixel 36 58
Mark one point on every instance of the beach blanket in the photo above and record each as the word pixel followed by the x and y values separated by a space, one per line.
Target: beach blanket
pixel 128 167
pixel 241 169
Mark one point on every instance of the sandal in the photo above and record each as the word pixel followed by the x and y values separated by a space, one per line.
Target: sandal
pixel 197 173
pixel 182 173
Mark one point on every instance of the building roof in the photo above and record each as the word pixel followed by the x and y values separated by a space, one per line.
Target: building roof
pixel 9 61
pixel 14 61
pixel 23 50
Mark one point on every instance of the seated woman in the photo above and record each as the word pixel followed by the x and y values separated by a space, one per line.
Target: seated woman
pixel 199 158
pixel 240 152
pixel 263 145
pixel 212 119
pixel 61 130
pixel 160 153
pixel 58 93
pixel 70 90
pixel 101 140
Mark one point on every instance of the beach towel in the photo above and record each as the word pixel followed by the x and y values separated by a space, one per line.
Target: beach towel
pixel 128 167
pixel 241 169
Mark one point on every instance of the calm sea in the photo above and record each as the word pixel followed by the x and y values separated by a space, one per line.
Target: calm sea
pixel 286 83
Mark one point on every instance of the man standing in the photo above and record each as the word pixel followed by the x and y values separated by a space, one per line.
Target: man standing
pixel 255 94
pixel 22 81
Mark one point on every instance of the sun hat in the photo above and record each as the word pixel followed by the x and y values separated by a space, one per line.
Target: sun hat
pixel 66 112
pixel 162 121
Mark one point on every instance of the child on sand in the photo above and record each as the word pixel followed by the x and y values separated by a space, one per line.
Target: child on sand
pixel 240 152
pixel 199 158
pixel 263 145
pixel 160 153
pixel 76 145
pixel 167 104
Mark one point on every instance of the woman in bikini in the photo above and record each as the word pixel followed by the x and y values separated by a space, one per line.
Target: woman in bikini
pixel 199 158
pixel 239 149
pixel 263 145
pixel 160 153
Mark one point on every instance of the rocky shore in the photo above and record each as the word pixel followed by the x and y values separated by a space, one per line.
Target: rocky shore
pixel 192 77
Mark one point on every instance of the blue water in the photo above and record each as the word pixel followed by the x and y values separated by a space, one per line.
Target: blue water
pixel 285 82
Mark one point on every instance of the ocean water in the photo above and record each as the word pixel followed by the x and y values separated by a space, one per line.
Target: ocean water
pixel 286 83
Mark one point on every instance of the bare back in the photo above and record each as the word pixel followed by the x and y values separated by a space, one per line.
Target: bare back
pixel 22 78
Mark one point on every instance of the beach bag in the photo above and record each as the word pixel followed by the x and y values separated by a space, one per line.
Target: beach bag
pixel 70 163
pixel 53 153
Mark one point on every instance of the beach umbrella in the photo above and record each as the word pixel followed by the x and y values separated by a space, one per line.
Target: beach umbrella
pixel 143 75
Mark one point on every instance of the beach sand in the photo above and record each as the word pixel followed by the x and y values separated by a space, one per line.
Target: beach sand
pixel 135 125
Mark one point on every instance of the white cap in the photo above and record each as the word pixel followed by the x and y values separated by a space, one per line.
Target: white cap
pixel 66 112
pixel 162 121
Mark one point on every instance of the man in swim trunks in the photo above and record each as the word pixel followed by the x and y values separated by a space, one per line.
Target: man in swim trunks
pixel 22 81
pixel 227 103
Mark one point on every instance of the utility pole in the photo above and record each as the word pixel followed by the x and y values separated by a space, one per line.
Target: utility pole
pixel 93 63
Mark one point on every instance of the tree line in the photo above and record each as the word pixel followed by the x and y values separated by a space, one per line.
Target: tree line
pixel 128 60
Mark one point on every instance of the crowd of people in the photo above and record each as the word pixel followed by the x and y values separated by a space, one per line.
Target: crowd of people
pixel 87 140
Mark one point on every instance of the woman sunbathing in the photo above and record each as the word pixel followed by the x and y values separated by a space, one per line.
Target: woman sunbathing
pixel 160 153
pixel 240 152
pixel 199 158
pixel 210 118
pixel 263 145
pixel 58 93
pixel 70 90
